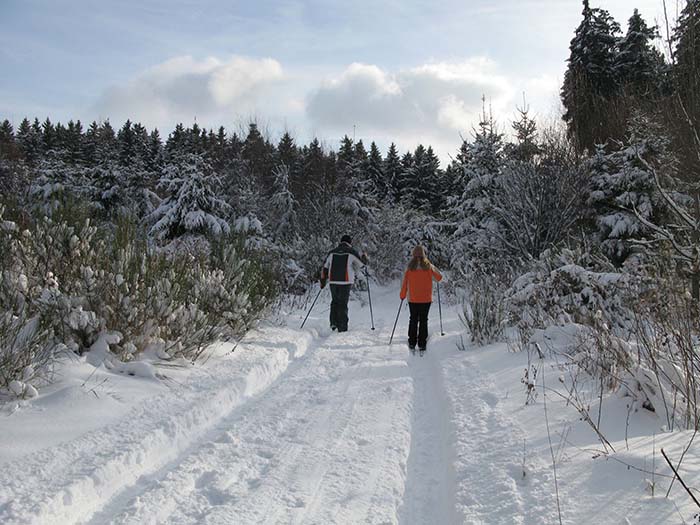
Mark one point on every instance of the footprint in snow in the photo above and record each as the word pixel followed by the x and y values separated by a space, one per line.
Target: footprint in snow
pixel 490 399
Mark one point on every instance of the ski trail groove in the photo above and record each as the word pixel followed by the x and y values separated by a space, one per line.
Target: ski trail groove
pixel 324 445
pixel 214 434
pixel 84 475
pixel 430 488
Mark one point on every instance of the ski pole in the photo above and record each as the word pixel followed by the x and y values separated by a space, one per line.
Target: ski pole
pixel 442 332
pixel 396 321
pixel 312 307
pixel 369 294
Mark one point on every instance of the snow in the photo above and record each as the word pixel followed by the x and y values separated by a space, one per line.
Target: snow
pixel 312 426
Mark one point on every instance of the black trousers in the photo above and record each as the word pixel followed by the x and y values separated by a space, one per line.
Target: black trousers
pixel 418 324
pixel 340 295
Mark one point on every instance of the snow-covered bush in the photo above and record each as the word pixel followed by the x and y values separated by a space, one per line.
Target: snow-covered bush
pixel 67 287
pixel 569 287
pixel 482 308
pixel 667 324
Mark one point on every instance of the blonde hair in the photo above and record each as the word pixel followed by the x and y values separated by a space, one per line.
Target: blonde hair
pixel 419 259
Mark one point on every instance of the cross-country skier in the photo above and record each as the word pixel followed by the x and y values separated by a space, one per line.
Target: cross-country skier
pixel 418 284
pixel 339 271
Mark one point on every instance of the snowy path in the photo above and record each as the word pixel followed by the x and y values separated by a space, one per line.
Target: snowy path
pixel 314 427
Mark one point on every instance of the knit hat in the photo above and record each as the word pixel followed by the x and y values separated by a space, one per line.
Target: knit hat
pixel 346 238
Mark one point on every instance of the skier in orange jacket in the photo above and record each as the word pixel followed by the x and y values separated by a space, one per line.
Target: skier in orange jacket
pixel 418 285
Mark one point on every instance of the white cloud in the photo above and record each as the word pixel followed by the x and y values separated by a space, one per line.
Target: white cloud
pixel 432 103
pixel 181 88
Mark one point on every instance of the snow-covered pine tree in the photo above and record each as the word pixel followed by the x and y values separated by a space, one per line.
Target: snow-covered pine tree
pixel 639 65
pixel 686 37
pixel 56 182
pixel 154 153
pixel 375 171
pixel 402 182
pixel 525 148
pixel 421 182
pixel 73 143
pixel 685 118
pixel 590 85
pixel 193 203
pixel 288 155
pixel 392 171
pixel 282 210
pixel 315 168
pixel 258 156
pixel 12 168
pixel 29 140
pixel 475 243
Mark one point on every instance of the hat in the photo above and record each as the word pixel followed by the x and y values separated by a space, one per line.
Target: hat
pixel 346 238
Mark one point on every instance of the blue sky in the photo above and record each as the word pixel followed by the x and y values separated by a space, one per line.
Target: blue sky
pixel 409 71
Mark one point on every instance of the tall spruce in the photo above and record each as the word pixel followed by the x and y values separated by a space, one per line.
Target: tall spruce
pixel 638 64
pixel 591 88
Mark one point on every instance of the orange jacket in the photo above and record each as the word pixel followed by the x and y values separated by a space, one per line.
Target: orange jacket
pixel 419 284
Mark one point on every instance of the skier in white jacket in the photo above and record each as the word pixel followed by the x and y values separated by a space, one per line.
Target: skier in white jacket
pixel 339 271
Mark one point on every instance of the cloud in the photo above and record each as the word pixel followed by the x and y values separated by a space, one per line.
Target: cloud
pixel 181 88
pixel 431 103
pixel 435 103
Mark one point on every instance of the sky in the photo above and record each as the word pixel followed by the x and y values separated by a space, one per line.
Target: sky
pixel 403 71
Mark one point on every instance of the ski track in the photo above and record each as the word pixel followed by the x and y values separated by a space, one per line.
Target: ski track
pixel 491 487
pixel 325 445
pixel 430 483
pixel 78 478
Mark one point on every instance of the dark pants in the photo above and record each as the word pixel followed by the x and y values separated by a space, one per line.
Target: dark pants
pixel 340 295
pixel 418 324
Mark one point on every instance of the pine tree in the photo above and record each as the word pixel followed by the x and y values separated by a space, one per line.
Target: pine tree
pixel 193 203
pixel 7 134
pixel 525 148
pixel 282 211
pixel 346 166
pixel 404 179
pixel 590 89
pixel 638 64
pixel 49 139
pixel 107 145
pixel 288 155
pixel 392 172
pixel 476 225
pixel 154 153
pixel 375 172
pixel 686 70
pixel 258 156
pixel 314 168
pixel 73 143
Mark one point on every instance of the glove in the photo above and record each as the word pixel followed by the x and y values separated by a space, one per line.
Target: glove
pixel 323 282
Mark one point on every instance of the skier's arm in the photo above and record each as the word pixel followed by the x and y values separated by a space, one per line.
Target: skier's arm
pixel 437 275
pixel 404 286
pixel 362 260
pixel 325 271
